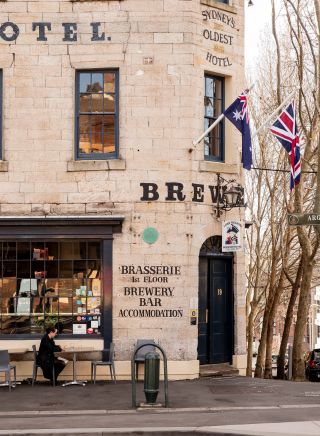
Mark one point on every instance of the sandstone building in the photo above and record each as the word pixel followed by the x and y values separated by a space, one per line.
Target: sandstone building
pixel 108 225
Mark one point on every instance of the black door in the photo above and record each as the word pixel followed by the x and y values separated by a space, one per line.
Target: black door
pixel 215 310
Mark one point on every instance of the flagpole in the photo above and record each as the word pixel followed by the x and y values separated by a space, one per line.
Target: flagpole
pixel 217 121
pixel 213 125
pixel 285 101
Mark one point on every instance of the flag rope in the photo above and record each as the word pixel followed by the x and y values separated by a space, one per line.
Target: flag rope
pixel 282 171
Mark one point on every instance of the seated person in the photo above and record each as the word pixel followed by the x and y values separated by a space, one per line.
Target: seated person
pixel 46 358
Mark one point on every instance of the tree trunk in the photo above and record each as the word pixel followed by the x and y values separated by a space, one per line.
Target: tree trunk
pixel 288 323
pixel 277 295
pixel 250 328
pixel 298 367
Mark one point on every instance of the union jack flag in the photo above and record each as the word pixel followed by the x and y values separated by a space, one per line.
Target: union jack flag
pixel 286 130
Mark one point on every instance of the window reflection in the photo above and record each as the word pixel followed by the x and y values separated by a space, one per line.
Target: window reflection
pixel 213 107
pixel 97 113
pixel 50 283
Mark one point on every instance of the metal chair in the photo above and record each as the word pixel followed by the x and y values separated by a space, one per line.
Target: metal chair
pixel 107 360
pixel 36 366
pixel 140 356
pixel 6 367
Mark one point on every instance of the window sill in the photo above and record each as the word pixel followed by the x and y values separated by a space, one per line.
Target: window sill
pixel 96 165
pixel 218 167
pixel 218 5
pixel 4 165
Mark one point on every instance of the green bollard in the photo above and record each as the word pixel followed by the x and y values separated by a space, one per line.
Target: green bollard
pixel 151 376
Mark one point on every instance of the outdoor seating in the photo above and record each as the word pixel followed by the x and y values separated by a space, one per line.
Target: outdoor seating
pixel 140 355
pixel 36 366
pixel 107 360
pixel 6 367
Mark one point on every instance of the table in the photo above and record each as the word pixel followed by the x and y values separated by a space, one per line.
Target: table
pixel 15 351
pixel 74 351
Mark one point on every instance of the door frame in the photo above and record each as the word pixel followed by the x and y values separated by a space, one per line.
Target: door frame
pixel 211 256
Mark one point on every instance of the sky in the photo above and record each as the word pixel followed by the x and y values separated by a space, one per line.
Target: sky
pixel 256 18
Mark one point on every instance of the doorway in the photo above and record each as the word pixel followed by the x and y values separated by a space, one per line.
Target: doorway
pixel 215 327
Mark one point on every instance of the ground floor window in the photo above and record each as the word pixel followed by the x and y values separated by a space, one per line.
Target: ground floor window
pixel 44 283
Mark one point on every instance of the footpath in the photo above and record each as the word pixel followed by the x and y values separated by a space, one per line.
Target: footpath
pixel 210 405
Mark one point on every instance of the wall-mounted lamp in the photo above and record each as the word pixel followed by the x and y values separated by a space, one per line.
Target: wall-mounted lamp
pixel 230 194
pixel 250 3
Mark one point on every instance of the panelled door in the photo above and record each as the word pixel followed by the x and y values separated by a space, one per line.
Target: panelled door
pixel 215 311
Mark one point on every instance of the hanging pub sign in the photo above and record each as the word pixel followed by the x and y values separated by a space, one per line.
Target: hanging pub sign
pixel 231 236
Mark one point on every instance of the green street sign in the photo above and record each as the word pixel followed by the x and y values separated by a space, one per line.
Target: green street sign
pixel 303 219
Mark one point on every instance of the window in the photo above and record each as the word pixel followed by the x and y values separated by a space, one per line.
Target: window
pixel 223 1
pixel 97 114
pixel 213 107
pixel 45 283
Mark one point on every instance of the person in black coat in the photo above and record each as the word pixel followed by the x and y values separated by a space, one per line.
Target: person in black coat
pixel 46 358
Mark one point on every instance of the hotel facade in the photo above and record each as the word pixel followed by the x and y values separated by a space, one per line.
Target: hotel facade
pixel 110 217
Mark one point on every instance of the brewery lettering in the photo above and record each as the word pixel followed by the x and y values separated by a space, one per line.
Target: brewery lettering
pixel 175 192
pixel 142 291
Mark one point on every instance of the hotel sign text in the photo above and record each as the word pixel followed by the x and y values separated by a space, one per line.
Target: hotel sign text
pixel 10 31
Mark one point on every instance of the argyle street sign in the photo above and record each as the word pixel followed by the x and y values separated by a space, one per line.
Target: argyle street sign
pixel 303 219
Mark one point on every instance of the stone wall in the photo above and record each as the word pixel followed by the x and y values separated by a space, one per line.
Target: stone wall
pixel 162 49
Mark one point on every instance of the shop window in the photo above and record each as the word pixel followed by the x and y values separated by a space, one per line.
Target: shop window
pixel 213 108
pixel 50 284
pixel 97 114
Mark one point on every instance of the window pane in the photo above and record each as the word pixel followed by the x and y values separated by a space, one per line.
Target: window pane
pixel 85 102
pixel 97 103
pixel 52 269
pixel 64 287
pixel 9 269
pixel 79 268
pixel 23 250
pixel 85 143
pixel 208 107
pixel 66 250
pixel 52 249
pixel 94 250
pixel 96 132
pixel 80 250
pixel 85 81
pixel 9 250
pixel 23 269
pixel 84 124
pixel 109 82
pixel 97 82
pixel 209 87
pixel 65 306
pixel 109 103
pixel 65 269
pixel 9 288
pixel 65 325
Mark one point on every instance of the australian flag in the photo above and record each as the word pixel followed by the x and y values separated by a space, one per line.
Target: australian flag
pixel 238 114
pixel 286 130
